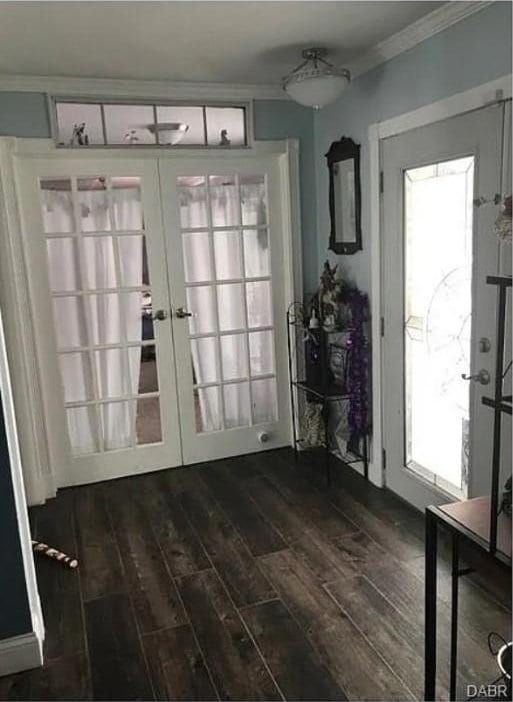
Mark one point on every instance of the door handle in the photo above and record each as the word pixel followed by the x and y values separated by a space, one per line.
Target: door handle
pixel 160 315
pixel 482 377
pixel 181 313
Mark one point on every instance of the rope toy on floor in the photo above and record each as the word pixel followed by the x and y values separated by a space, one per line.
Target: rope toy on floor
pixel 62 558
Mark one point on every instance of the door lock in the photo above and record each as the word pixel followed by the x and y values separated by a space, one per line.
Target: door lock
pixel 482 377
pixel 484 344
pixel 181 313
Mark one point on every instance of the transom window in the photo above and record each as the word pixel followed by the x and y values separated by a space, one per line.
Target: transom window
pixel 96 123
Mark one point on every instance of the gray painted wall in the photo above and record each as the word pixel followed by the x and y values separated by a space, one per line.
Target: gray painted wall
pixel 475 50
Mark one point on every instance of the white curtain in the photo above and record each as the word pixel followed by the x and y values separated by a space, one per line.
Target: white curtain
pixel 93 320
pixel 225 212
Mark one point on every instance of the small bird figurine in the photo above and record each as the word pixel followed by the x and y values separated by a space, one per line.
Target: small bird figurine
pixel 224 138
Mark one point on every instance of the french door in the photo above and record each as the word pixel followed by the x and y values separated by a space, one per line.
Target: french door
pixel 438 248
pixel 157 296
pixel 225 251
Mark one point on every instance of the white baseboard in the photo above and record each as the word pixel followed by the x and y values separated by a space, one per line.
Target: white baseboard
pixel 20 653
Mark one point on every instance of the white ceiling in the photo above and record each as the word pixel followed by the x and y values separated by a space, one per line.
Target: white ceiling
pixel 222 42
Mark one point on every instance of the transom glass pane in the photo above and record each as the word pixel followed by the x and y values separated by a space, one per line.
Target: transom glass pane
pixel 437 317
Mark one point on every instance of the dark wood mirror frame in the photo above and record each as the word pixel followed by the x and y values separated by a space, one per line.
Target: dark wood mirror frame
pixel 343 150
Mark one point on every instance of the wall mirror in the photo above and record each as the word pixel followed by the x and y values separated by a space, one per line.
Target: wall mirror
pixel 345 196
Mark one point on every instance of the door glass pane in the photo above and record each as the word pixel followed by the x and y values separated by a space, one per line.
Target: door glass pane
pixel 76 366
pixel 143 369
pixel 253 202
pixel 207 409
pixel 70 327
pixel 57 206
pixel 236 405
pixel 234 356
pixel 126 197
pixel 256 253
pixel 104 318
pixel 63 272
pixel 83 429
pixel 227 255
pixel 98 262
pixel 196 257
pixel 117 424
pixel 93 204
pixel 258 297
pixel 231 307
pixel 192 195
pixel 204 360
pixel 265 405
pixel 261 352
pixel 148 427
pixel 200 303
pixel 133 261
pixel 437 316
pixel 224 201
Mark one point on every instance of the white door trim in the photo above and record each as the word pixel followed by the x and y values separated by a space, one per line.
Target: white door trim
pixel 466 101
pixel 38 477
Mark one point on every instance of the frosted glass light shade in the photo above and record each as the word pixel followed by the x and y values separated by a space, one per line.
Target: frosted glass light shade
pixel 317 91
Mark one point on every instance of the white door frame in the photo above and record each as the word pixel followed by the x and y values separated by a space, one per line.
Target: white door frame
pixel 480 96
pixel 14 295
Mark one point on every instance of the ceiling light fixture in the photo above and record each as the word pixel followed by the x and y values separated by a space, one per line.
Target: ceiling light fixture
pixel 316 82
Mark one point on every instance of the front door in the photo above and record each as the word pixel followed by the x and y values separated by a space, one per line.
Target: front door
pixel 227 279
pixel 100 307
pixel 439 313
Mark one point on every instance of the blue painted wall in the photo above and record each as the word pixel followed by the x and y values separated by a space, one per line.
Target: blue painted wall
pixel 472 52
pixel 14 606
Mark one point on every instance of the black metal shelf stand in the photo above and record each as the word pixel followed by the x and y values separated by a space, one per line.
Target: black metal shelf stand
pixel 477 521
pixel 324 389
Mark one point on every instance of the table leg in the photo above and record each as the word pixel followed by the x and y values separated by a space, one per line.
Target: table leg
pixel 430 607
pixel 454 616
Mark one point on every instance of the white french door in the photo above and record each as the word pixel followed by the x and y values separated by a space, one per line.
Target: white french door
pixel 97 278
pixel 158 301
pixel 439 341
pixel 225 249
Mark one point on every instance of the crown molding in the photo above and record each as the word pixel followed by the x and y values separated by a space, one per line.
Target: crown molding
pixel 154 89
pixel 424 28
pixel 444 17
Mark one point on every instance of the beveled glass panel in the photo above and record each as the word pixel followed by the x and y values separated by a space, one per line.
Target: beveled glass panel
pixel 57 206
pixel 104 318
pixel 265 405
pixel 69 320
pixel 83 429
pixel 226 126
pixel 207 409
pixel 76 377
pixel 126 196
pixel 111 373
pixel 70 117
pixel 192 195
pixel 231 306
pixel 261 352
pixel 191 117
pixel 224 201
pixel 236 405
pixel 201 304
pixel 256 253
pixel 253 200
pixel 258 295
pixel 437 314
pixel 227 255
pixel 234 356
pixel 129 124
pixel 196 257
pixel 133 261
pixel 63 264
pixel 93 204
pixel 118 425
pixel 148 426
pixel 204 360
pixel 98 262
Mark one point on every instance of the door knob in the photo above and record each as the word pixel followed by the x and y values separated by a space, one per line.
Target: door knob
pixel 159 315
pixel 181 313
pixel 482 377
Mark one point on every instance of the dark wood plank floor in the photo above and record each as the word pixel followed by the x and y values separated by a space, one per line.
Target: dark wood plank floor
pixel 245 579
